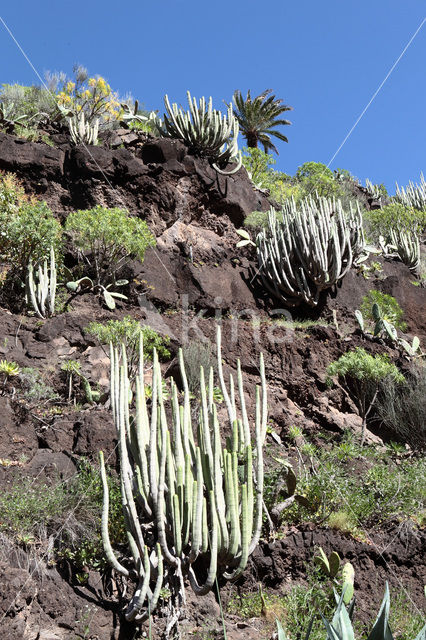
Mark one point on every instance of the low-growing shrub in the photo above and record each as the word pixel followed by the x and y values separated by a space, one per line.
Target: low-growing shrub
pixel 379 222
pixel 107 239
pixel 360 375
pixel 127 331
pixel 28 234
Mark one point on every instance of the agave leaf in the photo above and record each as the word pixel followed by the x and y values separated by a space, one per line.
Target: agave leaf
pixel 375 310
pixel 390 330
pixel 341 623
pixel 109 300
pixel 322 561
pixel 331 633
pixel 360 319
pixel 416 344
pixel 280 631
pixel 378 328
pixel 114 294
pixel 422 634
pixel 381 629
pixel 244 234
pixel 243 243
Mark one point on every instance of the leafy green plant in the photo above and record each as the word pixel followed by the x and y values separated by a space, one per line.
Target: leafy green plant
pixel 8 370
pixel 316 178
pixel 34 386
pixel 390 310
pixel 92 96
pixel 258 118
pixel 12 194
pixel 360 375
pixel 107 239
pixel 29 234
pixel 380 222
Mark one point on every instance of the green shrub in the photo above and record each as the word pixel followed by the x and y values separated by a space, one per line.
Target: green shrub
pixel 260 167
pixel 391 489
pixel 29 233
pixel 360 375
pixel 315 177
pixel 127 331
pixel 109 239
pixel 389 308
pixel 379 222
pixel 31 512
pixel 34 386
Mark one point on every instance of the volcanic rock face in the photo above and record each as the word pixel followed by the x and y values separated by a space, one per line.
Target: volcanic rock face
pixel 194 277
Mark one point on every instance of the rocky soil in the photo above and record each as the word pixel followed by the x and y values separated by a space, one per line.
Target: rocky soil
pixel 193 278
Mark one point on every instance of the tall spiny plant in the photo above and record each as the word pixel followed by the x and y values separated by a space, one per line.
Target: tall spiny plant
pixel 309 250
pixel 207 132
pixel 184 495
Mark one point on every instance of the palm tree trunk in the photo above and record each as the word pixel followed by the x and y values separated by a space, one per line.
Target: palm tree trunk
pixel 252 140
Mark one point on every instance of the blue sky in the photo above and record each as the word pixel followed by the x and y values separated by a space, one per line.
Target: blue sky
pixel 326 59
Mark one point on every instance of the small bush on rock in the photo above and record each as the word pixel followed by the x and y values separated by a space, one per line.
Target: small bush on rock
pixel 128 331
pixel 360 375
pixel 28 233
pixel 107 239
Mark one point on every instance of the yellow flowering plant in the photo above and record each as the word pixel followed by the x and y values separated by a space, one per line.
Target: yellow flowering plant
pixel 92 95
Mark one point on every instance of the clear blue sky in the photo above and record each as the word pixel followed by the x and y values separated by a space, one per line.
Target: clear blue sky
pixel 326 59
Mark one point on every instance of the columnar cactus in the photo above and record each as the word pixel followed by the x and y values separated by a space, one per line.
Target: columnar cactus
pixel 311 249
pixel 83 132
pixel 414 195
pixel 41 295
pixel 210 134
pixel 407 245
pixel 184 494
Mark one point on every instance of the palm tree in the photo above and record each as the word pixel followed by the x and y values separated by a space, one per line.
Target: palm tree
pixel 258 117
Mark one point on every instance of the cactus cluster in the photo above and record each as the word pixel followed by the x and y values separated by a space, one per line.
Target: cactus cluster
pixel 407 246
pixel 414 195
pixel 184 495
pixel 310 250
pixel 208 132
pixel 41 295
pixel 83 132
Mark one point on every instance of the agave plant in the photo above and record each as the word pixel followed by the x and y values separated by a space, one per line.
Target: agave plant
pixel 414 195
